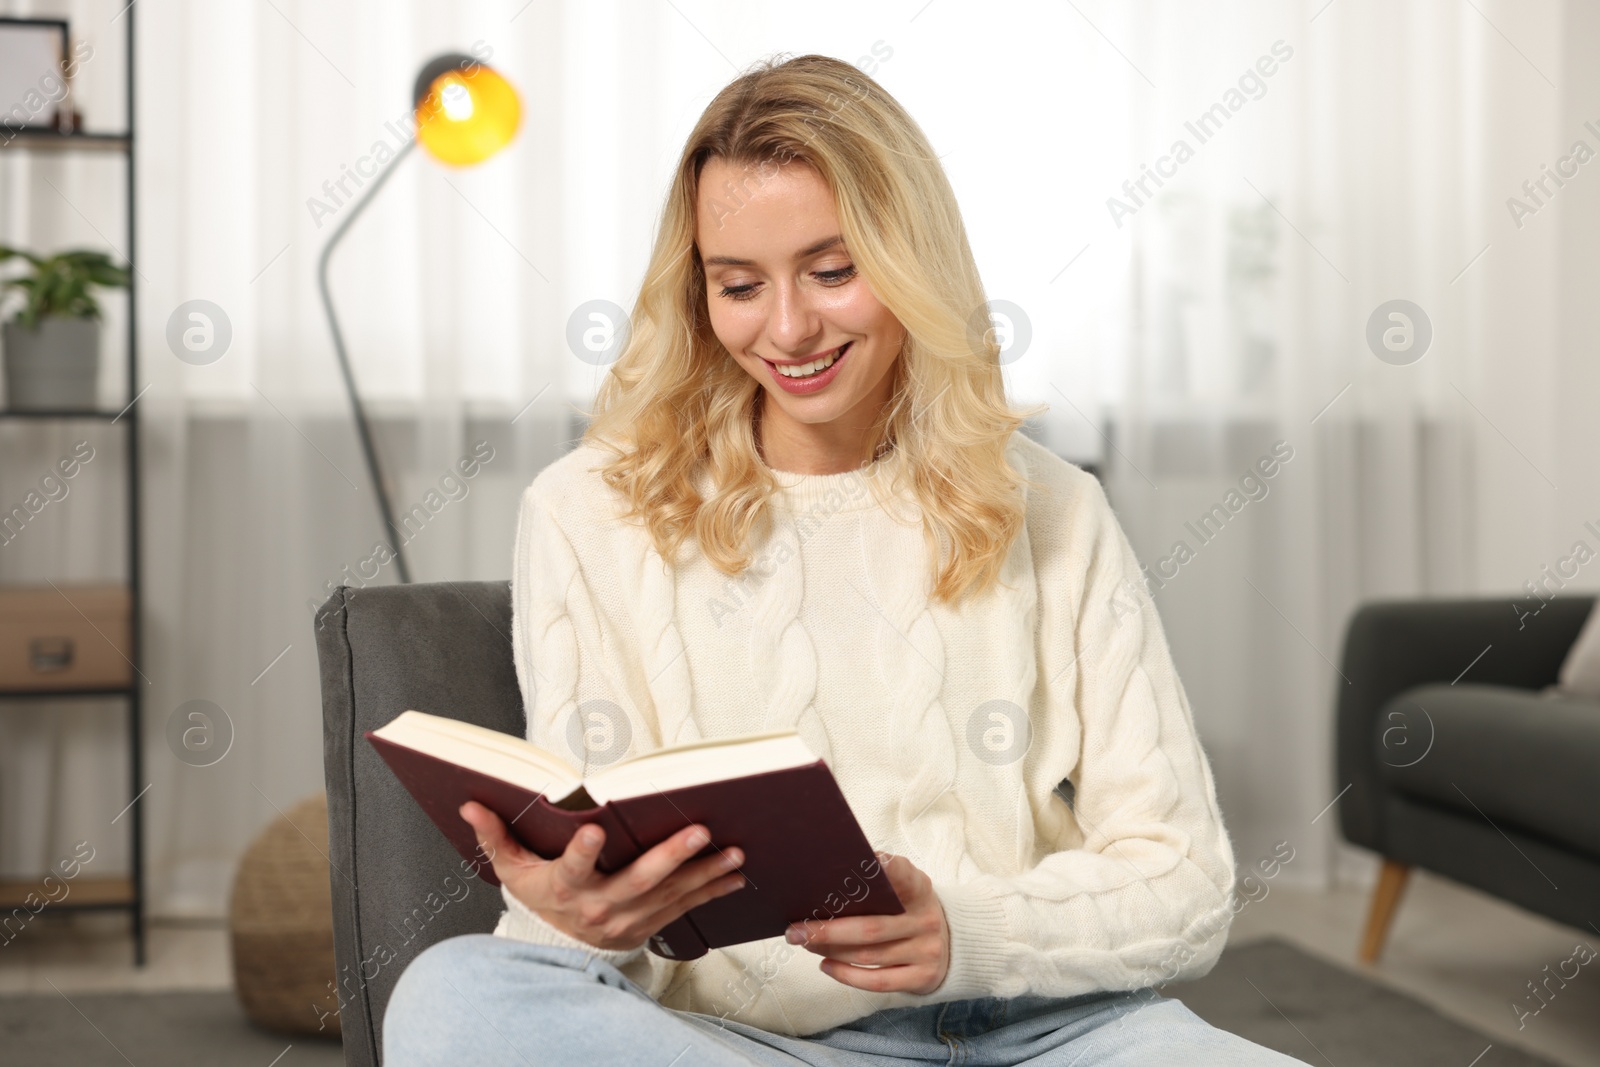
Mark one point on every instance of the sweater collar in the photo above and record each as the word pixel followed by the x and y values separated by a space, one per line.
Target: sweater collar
pixel 799 494
pixel 846 491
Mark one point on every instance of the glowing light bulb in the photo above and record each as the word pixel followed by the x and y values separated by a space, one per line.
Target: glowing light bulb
pixel 457 102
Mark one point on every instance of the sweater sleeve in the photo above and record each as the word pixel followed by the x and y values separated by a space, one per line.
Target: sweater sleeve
pixel 560 654
pixel 1136 887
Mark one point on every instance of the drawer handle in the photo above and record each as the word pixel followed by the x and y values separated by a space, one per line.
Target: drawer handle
pixel 47 655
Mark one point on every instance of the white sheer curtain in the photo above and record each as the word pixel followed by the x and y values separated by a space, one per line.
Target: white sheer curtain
pixel 1193 336
pixel 1371 164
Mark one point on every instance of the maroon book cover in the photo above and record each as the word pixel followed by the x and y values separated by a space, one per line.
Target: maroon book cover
pixel 806 856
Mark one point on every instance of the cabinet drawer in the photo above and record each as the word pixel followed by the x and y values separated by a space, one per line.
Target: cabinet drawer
pixel 76 638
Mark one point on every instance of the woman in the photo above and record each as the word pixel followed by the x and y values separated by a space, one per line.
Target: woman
pixel 804 503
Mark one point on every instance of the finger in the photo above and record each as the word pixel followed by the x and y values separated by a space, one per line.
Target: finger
pixel 882 954
pixel 883 859
pixel 691 878
pixel 908 881
pixel 646 873
pixel 819 935
pixel 688 887
pixel 910 977
pixel 718 887
pixel 575 865
pixel 494 843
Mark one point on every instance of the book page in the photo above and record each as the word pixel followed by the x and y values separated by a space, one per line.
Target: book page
pixel 499 755
pixel 700 762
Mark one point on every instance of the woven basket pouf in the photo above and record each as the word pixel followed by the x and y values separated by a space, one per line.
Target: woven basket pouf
pixel 280 919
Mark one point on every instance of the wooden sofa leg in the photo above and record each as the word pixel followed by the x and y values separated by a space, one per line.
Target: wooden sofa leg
pixel 1385 899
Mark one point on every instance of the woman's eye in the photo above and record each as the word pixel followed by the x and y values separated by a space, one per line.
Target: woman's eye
pixel 828 277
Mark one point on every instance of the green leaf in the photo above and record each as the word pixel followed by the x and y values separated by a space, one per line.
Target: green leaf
pixel 59 286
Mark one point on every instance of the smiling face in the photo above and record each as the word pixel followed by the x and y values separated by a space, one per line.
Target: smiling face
pixel 783 292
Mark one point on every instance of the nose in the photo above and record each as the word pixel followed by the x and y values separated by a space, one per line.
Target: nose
pixel 794 323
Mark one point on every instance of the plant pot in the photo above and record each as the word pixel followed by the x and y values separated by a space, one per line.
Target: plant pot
pixel 56 365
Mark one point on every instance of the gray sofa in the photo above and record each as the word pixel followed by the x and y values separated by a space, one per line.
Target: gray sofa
pixel 398 887
pixel 1457 764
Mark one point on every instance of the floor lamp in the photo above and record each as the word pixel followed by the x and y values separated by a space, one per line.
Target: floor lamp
pixel 465 112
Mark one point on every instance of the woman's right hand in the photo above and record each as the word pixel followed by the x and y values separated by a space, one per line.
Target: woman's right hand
pixel 620 910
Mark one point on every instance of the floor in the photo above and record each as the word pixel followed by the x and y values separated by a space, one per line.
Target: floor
pixel 92 953
pixel 1468 955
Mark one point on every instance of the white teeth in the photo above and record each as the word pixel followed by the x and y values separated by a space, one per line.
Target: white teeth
pixel 804 370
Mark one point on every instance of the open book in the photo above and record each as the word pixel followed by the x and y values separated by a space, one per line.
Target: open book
pixel 806 856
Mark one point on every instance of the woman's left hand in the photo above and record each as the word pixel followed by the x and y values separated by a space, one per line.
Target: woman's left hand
pixel 885 953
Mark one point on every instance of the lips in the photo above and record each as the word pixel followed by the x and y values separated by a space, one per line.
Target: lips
pixel 836 351
pixel 814 382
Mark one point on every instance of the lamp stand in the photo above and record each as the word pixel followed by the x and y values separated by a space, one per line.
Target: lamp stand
pixel 362 427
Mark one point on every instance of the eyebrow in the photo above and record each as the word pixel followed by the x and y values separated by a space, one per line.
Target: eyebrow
pixel 810 250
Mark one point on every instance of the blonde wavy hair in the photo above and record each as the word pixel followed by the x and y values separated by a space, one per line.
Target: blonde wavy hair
pixel 676 403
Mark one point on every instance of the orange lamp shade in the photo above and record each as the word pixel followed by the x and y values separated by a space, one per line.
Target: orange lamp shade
pixel 465 111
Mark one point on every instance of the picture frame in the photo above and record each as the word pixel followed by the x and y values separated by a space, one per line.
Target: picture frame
pixel 34 80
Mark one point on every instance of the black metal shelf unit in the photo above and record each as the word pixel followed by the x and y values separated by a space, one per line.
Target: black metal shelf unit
pixel 106 893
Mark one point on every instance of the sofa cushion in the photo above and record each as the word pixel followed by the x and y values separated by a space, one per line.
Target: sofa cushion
pixel 1580 671
pixel 1517 757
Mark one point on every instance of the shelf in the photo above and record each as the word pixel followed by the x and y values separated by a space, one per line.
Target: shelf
pixel 66 694
pixel 118 150
pixel 61 413
pixel 82 893
pixel 49 141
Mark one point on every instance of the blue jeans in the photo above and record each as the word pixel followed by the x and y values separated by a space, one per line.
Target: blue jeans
pixel 489 1001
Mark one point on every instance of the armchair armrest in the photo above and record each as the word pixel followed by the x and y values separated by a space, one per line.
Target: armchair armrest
pixel 398 886
pixel 1391 646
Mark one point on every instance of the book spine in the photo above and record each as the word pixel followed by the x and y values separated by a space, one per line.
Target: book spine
pixel 680 939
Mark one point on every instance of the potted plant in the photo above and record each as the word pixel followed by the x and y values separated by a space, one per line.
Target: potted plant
pixel 52 343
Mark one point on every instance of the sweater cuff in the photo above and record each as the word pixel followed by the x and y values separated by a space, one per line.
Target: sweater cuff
pixel 978 932
pixel 521 923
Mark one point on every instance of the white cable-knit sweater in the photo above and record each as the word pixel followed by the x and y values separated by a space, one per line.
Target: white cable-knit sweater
pixel 949 730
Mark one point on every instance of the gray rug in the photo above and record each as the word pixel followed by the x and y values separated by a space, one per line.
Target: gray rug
pixel 1323 1014
pixel 148 1030
pixel 1333 1016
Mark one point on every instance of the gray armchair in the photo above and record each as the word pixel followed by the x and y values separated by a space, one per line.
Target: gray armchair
pixel 398 886
pixel 1457 764
pixel 1503 800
